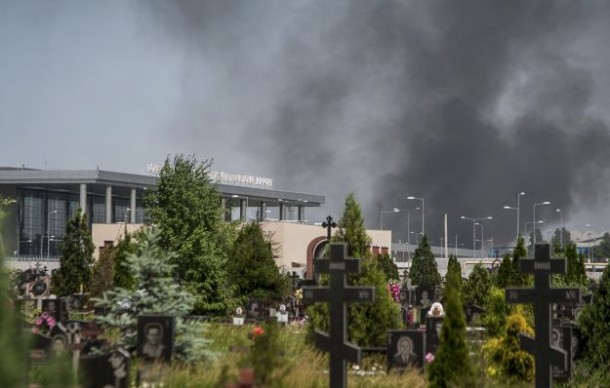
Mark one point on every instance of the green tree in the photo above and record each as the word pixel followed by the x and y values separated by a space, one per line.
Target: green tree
pixel 594 325
pixel 576 274
pixel 156 292
pixel 454 267
pixel 252 266
pixel 452 365
pixel 508 362
pixel 518 278
pixel 76 258
pixel 560 240
pixel 103 272
pixel 603 248
pixel 424 270
pixel 496 312
pixel 368 323
pixel 122 273
pixel 186 207
pixel 476 288
pixel 388 267
pixel 506 273
pixel 13 358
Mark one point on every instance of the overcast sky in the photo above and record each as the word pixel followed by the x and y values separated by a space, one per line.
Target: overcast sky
pixel 464 105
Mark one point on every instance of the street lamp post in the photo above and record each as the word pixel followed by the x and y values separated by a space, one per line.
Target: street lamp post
pixel 395 210
pixel 560 228
pixel 525 224
pixel 474 238
pixel 534 219
pixel 423 214
pixel 482 238
pixel 517 209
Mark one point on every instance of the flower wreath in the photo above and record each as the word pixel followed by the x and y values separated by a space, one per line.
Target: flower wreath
pixel 44 323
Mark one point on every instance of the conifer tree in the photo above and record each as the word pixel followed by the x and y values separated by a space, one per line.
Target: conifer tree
pixel 388 267
pixel 155 292
pixel 594 325
pixel 506 273
pixel 252 267
pixel 122 274
pixel 454 267
pixel 519 279
pixel 576 274
pixel 368 323
pixel 476 288
pixel 424 270
pixel 186 207
pixel 103 272
pixel 497 310
pixel 76 258
pixel 452 365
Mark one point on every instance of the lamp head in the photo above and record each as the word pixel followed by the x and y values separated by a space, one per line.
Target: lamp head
pixel 546 203
pixel 410 197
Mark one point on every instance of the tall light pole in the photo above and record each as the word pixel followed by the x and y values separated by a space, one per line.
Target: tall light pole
pixel 560 228
pixel 534 219
pixel 423 213
pixel 474 238
pixel 49 232
pixel 395 210
pixel 517 209
pixel 482 238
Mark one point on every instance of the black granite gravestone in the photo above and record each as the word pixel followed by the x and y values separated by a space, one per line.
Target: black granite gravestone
pixel 105 370
pixel 405 348
pixel 337 295
pixel 156 337
pixel 433 333
pixel 562 337
pixel 542 296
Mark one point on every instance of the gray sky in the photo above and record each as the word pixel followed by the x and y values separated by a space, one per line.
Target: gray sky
pixel 462 104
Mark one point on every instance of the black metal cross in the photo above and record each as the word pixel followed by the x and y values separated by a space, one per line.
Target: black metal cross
pixel 328 224
pixel 337 295
pixel 542 296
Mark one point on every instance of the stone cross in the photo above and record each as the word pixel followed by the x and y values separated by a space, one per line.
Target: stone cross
pixel 337 295
pixel 542 296
pixel 329 224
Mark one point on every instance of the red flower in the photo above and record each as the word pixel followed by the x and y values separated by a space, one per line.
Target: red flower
pixel 258 331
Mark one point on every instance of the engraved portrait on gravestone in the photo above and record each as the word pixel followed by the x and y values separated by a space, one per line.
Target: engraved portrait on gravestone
pixel 153 340
pixel 404 352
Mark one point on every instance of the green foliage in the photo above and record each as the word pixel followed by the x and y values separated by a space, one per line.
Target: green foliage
pixel 424 270
pixel 122 273
pixel 452 365
pixel 603 248
pixel 560 240
pixel 594 325
pixel 507 362
pixel 14 352
pixel 265 356
pixel 351 229
pixel 103 273
pixel 388 267
pixel 76 258
pixel 368 322
pixel 576 274
pixel 252 266
pixel 494 319
pixel 519 279
pixel 454 267
pixel 186 207
pixel 476 288
pixel 155 292
pixel 506 273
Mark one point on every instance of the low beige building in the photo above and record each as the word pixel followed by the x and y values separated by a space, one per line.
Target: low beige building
pixel 294 244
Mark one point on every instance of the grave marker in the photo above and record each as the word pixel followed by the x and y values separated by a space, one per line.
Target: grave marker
pixel 337 295
pixel 542 296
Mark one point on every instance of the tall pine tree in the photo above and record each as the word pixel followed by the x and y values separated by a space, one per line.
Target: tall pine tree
pixel 122 273
pixel 76 258
pixel 424 270
pixel 476 288
pixel 452 365
pixel 252 267
pixel 576 274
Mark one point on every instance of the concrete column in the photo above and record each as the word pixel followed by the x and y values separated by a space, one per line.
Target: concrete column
pixel 243 209
pixel 301 213
pixel 223 205
pixel 132 204
pixel 262 209
pixel 109 204
pixel 282 211
pixel 83 197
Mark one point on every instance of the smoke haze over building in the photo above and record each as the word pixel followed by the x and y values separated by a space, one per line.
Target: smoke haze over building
pixel 463 104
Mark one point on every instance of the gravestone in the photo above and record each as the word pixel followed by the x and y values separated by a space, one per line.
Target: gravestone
pixel 337 295
pixel 256 309
pixel 471 310
pixel 405 348
pixel 156 337
pixel 433 333
pixel 542 296
pixel 282 314
pixel 561 336
pixel 51 307
pixel 238 317
pixel 105 370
